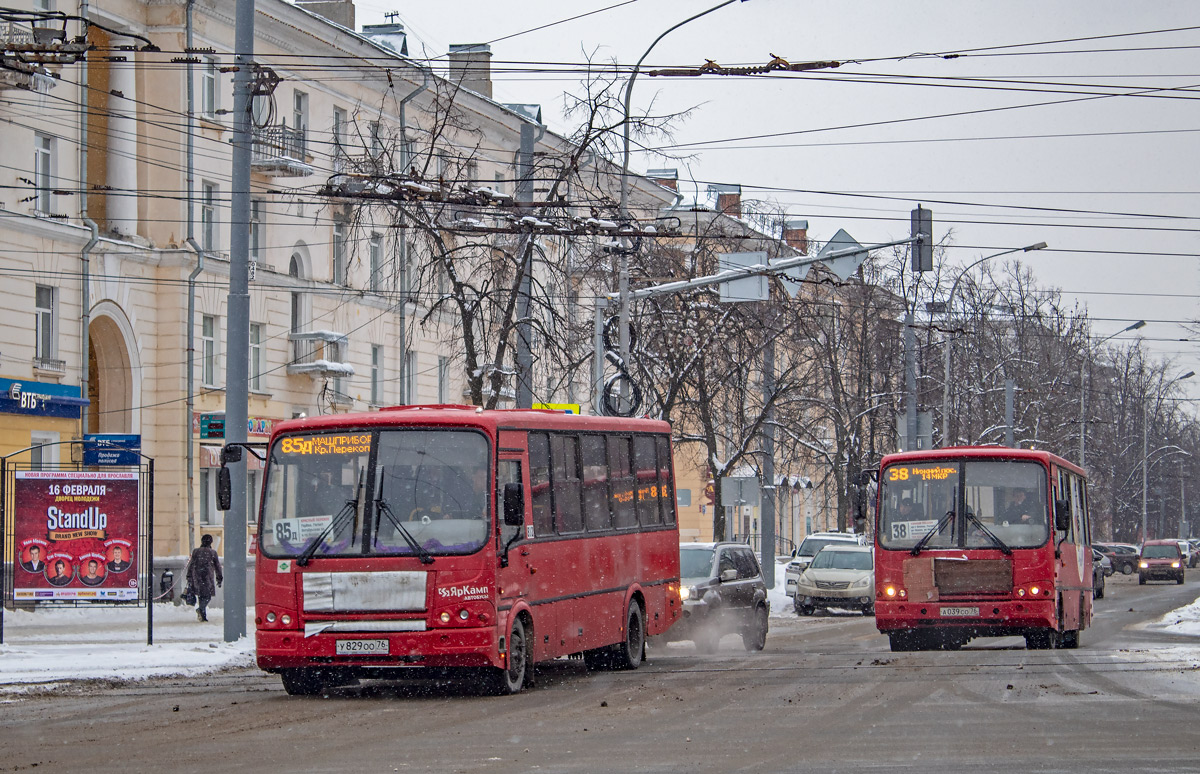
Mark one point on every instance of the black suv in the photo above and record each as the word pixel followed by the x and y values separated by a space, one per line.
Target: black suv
pixel 723 593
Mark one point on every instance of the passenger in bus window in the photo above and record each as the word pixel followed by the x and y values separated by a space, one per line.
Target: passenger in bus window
pixel 909 511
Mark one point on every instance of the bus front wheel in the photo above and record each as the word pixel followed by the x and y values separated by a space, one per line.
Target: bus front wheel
pixel 312 682
pixel 512 677
pixel 1041 639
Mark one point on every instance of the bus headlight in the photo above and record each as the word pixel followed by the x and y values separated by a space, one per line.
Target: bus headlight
pixel 463 614
pixel 444 617
pixel 1033 590
pixel 271 617
pixel 889 591
pixel 285 619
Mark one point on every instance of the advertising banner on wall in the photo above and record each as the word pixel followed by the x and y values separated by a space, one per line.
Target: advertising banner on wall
pixel 76 536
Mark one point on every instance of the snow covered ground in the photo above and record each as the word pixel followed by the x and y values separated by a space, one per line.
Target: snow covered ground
pixel 109 643
pixel 54 645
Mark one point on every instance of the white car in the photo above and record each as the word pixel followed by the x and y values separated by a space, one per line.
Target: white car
pixel 841 576
pixel 808 549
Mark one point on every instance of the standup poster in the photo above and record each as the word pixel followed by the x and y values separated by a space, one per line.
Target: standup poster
pixel 76 536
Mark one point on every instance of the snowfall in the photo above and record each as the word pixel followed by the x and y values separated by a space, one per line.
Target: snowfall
pixel 61 645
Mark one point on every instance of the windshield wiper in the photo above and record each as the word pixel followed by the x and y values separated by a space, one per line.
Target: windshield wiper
pixel 990 535
pixel 335 524
pixel 924 541
pixel 382 506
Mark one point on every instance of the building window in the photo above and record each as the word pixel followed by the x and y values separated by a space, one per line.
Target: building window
pixel 300 114
pixel 43 452
pixel 253 489
pixel 376 260
pixel 209 94
pixel 208 216
pixel 340 234
pixel 376 375
pixel 339 139
pixel 208 350
pixel 46 344
pixel 443 377
pixel 500 182
pixel 208 496
pixel 335 352
pixel 43 172
pixel 256 229
pixel 375 130
pixel 409 378
pixel 256 356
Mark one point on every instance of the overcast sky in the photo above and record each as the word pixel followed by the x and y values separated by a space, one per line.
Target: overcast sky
pixel 1008 146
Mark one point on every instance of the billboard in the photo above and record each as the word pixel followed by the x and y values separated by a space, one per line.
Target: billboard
pixel 76 535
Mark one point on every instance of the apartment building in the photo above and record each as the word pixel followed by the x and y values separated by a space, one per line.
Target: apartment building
pixel 116 218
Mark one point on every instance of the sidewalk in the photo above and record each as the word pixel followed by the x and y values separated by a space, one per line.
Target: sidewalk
pixel 65 644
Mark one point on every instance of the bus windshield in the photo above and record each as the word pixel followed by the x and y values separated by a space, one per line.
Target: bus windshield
pixel 410 492
pixel 963 504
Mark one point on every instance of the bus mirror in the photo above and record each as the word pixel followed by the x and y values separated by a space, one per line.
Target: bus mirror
pixel 514 505
pixel 1062 515
pixel 224 489
pixel 231 454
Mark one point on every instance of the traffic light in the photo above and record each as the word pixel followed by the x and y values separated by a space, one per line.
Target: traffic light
pixel 922 231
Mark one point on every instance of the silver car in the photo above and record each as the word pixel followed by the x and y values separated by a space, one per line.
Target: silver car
pixel 841 575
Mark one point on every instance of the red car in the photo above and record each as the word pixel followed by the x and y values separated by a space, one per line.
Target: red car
pixel 1160 560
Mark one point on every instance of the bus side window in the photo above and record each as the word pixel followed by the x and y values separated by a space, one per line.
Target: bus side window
pixel 564 453
pixel 596 512
pixel 620 478
pixel 539 482
pixel 507 472
pixel 645 467
pixel 666 484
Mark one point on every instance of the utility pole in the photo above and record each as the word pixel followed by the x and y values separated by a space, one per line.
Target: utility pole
pixel 530 134
pixel 921 233
pixel 767 549
pixel 237 386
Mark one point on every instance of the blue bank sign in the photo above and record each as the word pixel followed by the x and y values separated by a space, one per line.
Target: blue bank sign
pixel 42 399
pixel 112 449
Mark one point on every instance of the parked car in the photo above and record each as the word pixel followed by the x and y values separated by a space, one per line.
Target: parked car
pixel 723 592
pixel 1101 567
pixel 808 549
pixel 1161 560
pixel 841 575
pixel 1124 558
pixel 1195 551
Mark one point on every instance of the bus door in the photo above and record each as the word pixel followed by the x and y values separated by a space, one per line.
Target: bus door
pixel 523 458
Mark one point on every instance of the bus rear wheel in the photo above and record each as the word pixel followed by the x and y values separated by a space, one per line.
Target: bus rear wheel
pixel 629 654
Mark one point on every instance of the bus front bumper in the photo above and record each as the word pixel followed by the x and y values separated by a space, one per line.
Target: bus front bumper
pixel 977 614
pixel 458 647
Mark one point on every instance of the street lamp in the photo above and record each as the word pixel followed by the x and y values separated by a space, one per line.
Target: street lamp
pixel 1083 386
pixel 949 309
pixel 623 276
pixel 1146 444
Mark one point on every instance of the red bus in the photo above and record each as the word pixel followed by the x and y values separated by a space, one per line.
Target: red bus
pixel 451 538
pixel 982 542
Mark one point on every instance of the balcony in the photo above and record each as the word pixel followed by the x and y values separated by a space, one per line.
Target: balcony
pixel 49 365
pixel 318 355
pixel 280 152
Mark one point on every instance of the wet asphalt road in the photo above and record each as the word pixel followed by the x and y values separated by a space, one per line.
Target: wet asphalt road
pixel 825 695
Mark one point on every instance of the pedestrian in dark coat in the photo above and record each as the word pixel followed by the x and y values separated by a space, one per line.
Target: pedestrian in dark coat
pixel 202 568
